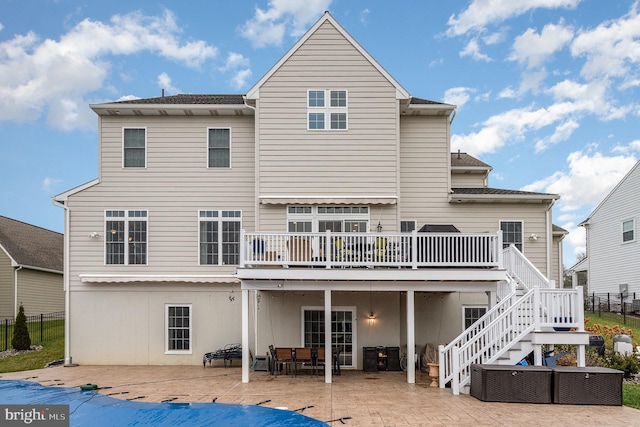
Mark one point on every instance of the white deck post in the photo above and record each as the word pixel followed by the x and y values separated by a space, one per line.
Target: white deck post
pixel 411 338
pixel 245 336
pixel 328 345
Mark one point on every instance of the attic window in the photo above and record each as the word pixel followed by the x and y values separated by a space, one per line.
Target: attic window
pixel 323 115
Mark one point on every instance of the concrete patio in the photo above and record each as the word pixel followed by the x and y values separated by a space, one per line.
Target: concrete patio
pixel 369 399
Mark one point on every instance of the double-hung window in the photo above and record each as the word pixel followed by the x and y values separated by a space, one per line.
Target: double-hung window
pixel 126 237
pixel 178 328
pixel 134 147
pixel 628 230
pixel 327 109
pixel 219 148
pixel 220 237
pixel 512 234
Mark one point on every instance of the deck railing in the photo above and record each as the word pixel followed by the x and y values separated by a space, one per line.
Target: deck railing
pixel 331 250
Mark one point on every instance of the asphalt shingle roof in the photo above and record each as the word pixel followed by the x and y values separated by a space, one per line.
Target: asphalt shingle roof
pixel 464 159
pixel 32 246
pixel 497 191
pixel 186 99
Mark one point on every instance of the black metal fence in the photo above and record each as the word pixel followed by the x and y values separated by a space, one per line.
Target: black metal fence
pixel 624 308
pixel 42 327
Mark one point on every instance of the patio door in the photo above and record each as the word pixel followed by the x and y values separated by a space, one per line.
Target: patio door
pixel 343 334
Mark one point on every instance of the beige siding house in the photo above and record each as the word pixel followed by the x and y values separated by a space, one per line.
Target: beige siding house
pixel 292 216
pixel 31 269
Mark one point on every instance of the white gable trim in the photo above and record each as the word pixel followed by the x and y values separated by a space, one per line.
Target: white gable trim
pixel 586 221
pixel 62 197
pixel 254 92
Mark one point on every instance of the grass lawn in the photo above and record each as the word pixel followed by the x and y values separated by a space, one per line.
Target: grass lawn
pixel 52 350
pixel 631 395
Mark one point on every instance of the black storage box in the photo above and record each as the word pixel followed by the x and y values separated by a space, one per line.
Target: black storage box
pixel 590 385
pixel 370 359
pixel 393 359
pixel 511 383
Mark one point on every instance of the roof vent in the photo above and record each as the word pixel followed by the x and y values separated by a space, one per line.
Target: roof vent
pixel 458 148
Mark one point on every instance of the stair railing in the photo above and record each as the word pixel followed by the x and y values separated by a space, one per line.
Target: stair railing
pixel 523 270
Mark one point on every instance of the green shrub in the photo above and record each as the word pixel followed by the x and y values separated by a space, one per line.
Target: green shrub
pixel 629 363
pixel 21 339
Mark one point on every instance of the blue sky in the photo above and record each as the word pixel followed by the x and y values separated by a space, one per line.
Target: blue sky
pixel 547 90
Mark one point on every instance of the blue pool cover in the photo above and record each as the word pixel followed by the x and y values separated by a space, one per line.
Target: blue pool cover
pixel 89 408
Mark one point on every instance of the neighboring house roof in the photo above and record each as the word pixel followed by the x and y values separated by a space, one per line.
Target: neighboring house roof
pixel 184 99
pixel 558 230
pixel 254 92
pixel 31 246
pixel 586 221
pixel 497 195
pixel 581 265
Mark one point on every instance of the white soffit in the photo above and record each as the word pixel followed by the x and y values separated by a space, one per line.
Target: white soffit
pixel 326 200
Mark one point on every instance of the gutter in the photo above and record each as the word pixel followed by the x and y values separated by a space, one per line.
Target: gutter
pixel 67 297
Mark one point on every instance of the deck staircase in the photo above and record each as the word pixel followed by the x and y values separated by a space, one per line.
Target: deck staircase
pixel 530 312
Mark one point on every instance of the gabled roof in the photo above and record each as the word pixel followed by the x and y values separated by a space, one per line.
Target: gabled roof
pixel 254 92
pixel 586 221
pixel 463 162
pixel 498 195
pixel 30 246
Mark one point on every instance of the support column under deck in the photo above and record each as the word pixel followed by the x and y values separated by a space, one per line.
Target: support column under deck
pixel 411 338
pixel 245 336
pixel 328 345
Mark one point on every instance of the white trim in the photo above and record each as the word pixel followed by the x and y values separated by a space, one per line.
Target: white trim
pixel 133 278
pixel 327 110
pixel 254 92
pixel 166 328
pixel 327 200
pixel 354 330
pixel 62 197
pixel 633 229
pixel 465 306
pixel 208 147
pixel 219 219
pixel 146 147
pixel 500 221
pixel 586 221
pixel 126 219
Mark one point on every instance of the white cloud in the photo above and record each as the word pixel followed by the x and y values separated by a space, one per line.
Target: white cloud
pixel 53 77
pixel 364 16
pixel 164 82
pixel 48 183
pixel 239 79
pixel 532 49
pixel 481 13
pixel 532 80
pixel 235 60
pixel 494 38
pixel 562 133
pixel 508 93
pixel 458 96
pixel 635 145
pixel 590 177
pixel 612 49
pixel 268 27
pixel 472 49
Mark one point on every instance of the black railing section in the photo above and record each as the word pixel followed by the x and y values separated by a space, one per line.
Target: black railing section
pixel 42 327
pixel 624 308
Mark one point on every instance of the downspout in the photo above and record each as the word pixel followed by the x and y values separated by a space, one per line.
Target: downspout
pixel 67 291
pixel 256 214
pixel 550 245
pixel 15 291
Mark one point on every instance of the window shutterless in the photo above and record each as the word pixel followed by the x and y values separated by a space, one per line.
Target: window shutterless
pixel 134 147
pixel 126 237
